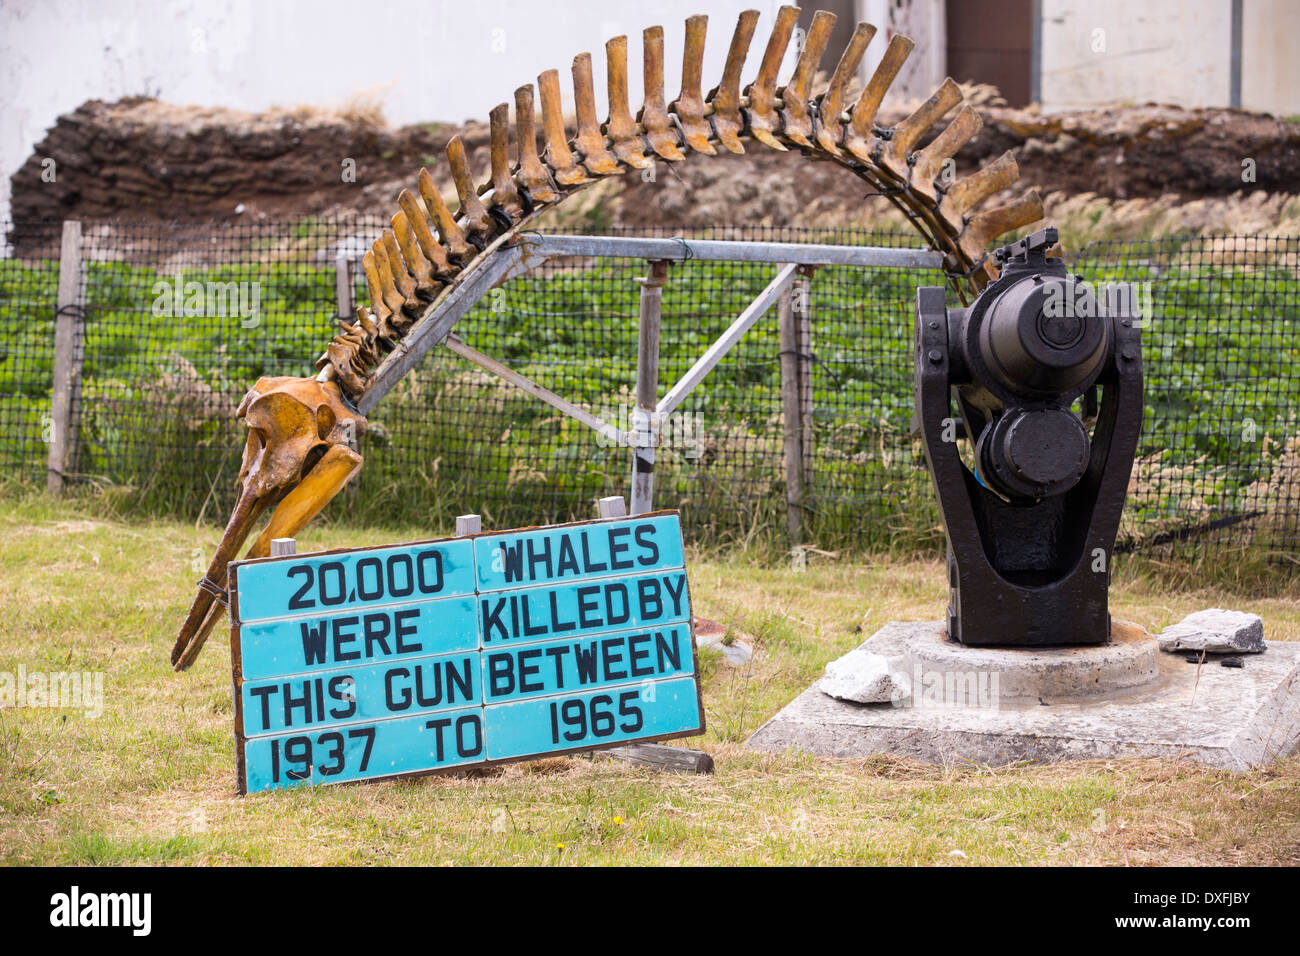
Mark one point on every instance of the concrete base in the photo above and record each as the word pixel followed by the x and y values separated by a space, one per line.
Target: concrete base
pixel 998 706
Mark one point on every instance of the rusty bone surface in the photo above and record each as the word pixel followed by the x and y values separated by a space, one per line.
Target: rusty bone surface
pixel 297 457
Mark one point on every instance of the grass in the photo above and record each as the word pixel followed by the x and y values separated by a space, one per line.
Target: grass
pixel 152 779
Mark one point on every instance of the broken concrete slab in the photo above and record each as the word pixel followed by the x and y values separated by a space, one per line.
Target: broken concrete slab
pixel 1130 660
pixel 1215 631
pixel 1233 718
pixel 863 677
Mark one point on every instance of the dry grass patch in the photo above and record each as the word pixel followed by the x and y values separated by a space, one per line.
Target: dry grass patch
pixel 152 779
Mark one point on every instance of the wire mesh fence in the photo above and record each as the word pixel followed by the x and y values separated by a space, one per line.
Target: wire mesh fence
pixel 180 320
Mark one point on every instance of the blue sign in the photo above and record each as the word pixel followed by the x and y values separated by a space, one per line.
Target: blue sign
pixel 396 632
pixel 354 580
pixel 373 692
pixel 380 662
pixel 540 670
pixel 386 748
pixel 574 552
pixel 593 718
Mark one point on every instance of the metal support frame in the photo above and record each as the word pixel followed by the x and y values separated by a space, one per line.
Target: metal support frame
pixel 524 253
pixel 439 319
pixel 721 250
pixel 489 364
pixel 785 277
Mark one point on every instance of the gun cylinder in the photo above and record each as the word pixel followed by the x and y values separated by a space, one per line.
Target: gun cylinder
pixel 1043 337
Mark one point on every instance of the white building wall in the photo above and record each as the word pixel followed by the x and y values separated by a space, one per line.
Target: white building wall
pixel 922 21
pixel 449 60
pixel 1117 51
pixel 1270 60
pixel 428 60
pixel 1170 51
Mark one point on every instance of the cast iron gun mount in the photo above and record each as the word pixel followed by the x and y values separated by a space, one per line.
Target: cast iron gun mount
pixel 1032 524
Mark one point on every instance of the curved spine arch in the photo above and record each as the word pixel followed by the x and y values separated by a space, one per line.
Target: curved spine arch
pixel 411 267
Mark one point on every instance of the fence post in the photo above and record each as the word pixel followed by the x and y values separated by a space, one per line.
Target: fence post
pixel 792 423
pixel 343 287
pixel 468 524
pixel 645 430
pixel 346 308
pixel 802 306
pixel 68 337
pixel 612 507
pixel 283 547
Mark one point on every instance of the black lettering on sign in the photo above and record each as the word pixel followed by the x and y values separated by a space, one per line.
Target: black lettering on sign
pixel 554 557
pixel 675 593
pixel 586 608
pixel 292 703
pixel 568 562
pixel 460 679
pixel 492 622
pixel 429 684
pixel 668 653
pixel 397 577
pixel 501 674
pixel 631 711
pixel 407 622
pixel 334 639
pixel 645 536
pixel 558 626
pixel 370 591
pixel 602 719
pixel 611 657
pixel 343 636
pixel 556 654
pixel 512 561
pixel 618 547
pixel 573 719
pixel 401 577
pixel 298 601
pixel 333 742
pixel 337 592
pixel 263 695
pixel 624 614
pixel 588 565
pixel 586 660
pixel 343 688
pixel 542 557
pixel 396 700
pixel 652 607
pixel 528 670
pixel 428 568
pixel 300 754
pixel 469 735
pixel 529 614
pixel 530 629
pixel 304 700
pixel 438 725
pixel 376 628
pixel 313 642
pixel 635 654
pixel 468 731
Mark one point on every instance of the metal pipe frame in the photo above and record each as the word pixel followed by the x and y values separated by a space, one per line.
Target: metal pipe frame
pixel 720 250
pixel 532 249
